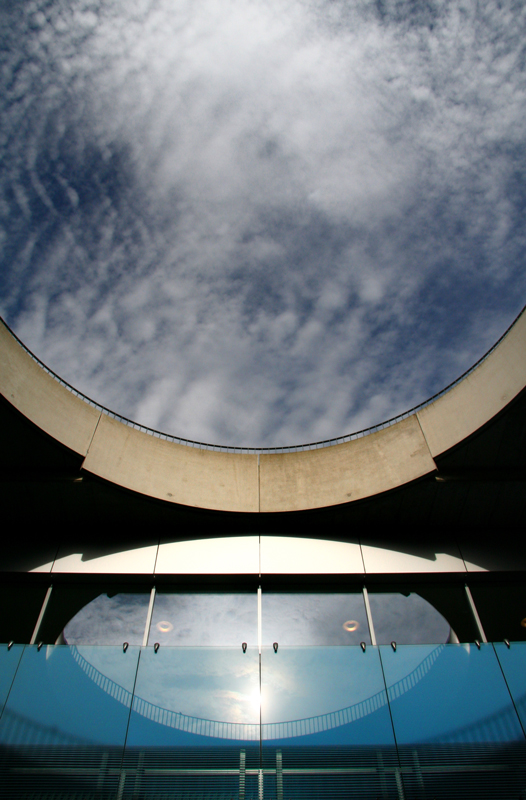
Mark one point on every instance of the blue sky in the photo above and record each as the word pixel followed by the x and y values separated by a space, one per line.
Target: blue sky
pixel 261 223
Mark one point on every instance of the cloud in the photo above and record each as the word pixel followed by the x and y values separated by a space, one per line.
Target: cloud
pixel 261 225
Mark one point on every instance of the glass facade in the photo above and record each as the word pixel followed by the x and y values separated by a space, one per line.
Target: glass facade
pixel 313 619
pixel 261 695
pixel 64 723
pixel 204 619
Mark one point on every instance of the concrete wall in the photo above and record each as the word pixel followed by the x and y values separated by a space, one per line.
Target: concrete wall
pixel 42 399
pixel 344 472
pixel 480 396
pixel 270 482
pixel 173 472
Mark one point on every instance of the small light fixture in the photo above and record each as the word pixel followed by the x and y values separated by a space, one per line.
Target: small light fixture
pixel 244 647
pixel 156 647
pixel 275 646
pixel 164 626
pixel 393 645
pixel 125 646
pixel 363 646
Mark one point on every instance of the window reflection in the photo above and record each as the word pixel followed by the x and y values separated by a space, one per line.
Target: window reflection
pixel 314 619
pixel 421 613
pixel 89 615
pixel 407 619
pixel 194 620
pixel 109 619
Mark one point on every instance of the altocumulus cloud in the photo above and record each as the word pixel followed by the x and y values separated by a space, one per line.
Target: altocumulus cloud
pixel 256 222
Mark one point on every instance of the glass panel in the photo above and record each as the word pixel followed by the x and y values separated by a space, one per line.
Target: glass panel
pixel 455 725
pixel 194 727
pixel 326 727
pixel 9 660
pixel 109 619
pixel 406 618
pixel 64 723
pixel 502 610
pixel 86 615
pixel 314 619
pixel 20 606
pixel 195 620
pixel 513 662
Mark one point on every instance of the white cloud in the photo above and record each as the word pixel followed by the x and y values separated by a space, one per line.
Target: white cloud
pixel 256 223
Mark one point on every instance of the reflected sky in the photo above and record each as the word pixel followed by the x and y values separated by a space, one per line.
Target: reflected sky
pixel 406 620
pixel 306 682
pixel 53 693
pixel 194 620
pixel 109 620
pixel 314 619
pixel 461 698
pixel 222 683
pixel 209 683
pixel 224 619
pixel 451 687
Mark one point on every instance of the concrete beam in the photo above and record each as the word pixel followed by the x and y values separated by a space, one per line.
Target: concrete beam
pixel 42 399
pixel 173 472
pixel 276 482
pixel 480 395
pixel 344 472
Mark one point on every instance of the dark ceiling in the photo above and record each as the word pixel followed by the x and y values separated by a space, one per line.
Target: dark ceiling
pixel 478 492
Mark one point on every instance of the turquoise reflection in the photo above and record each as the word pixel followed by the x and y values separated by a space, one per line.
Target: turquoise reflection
pixel 450 693
pixel 182 693
pixel 9 660
pixel 513 663
pixel 64 696
pixel 190 718
pixel 326 694
pixel 326 728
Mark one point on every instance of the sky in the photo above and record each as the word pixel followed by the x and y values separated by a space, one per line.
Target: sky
pixel 201 670
pixel 261 223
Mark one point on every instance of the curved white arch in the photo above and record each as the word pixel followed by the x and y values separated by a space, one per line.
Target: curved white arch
pixel 269 482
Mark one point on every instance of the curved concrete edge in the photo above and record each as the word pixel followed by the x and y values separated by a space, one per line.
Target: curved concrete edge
pixel 42 399
pixel 173 472
pixel 480 395
pixel 344 472
pixel 293 481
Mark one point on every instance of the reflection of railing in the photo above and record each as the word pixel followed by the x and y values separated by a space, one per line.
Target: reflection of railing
pixel 20 729
pixel 236 449
pixel 499 727
pixel 251 732
pixel 106 684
